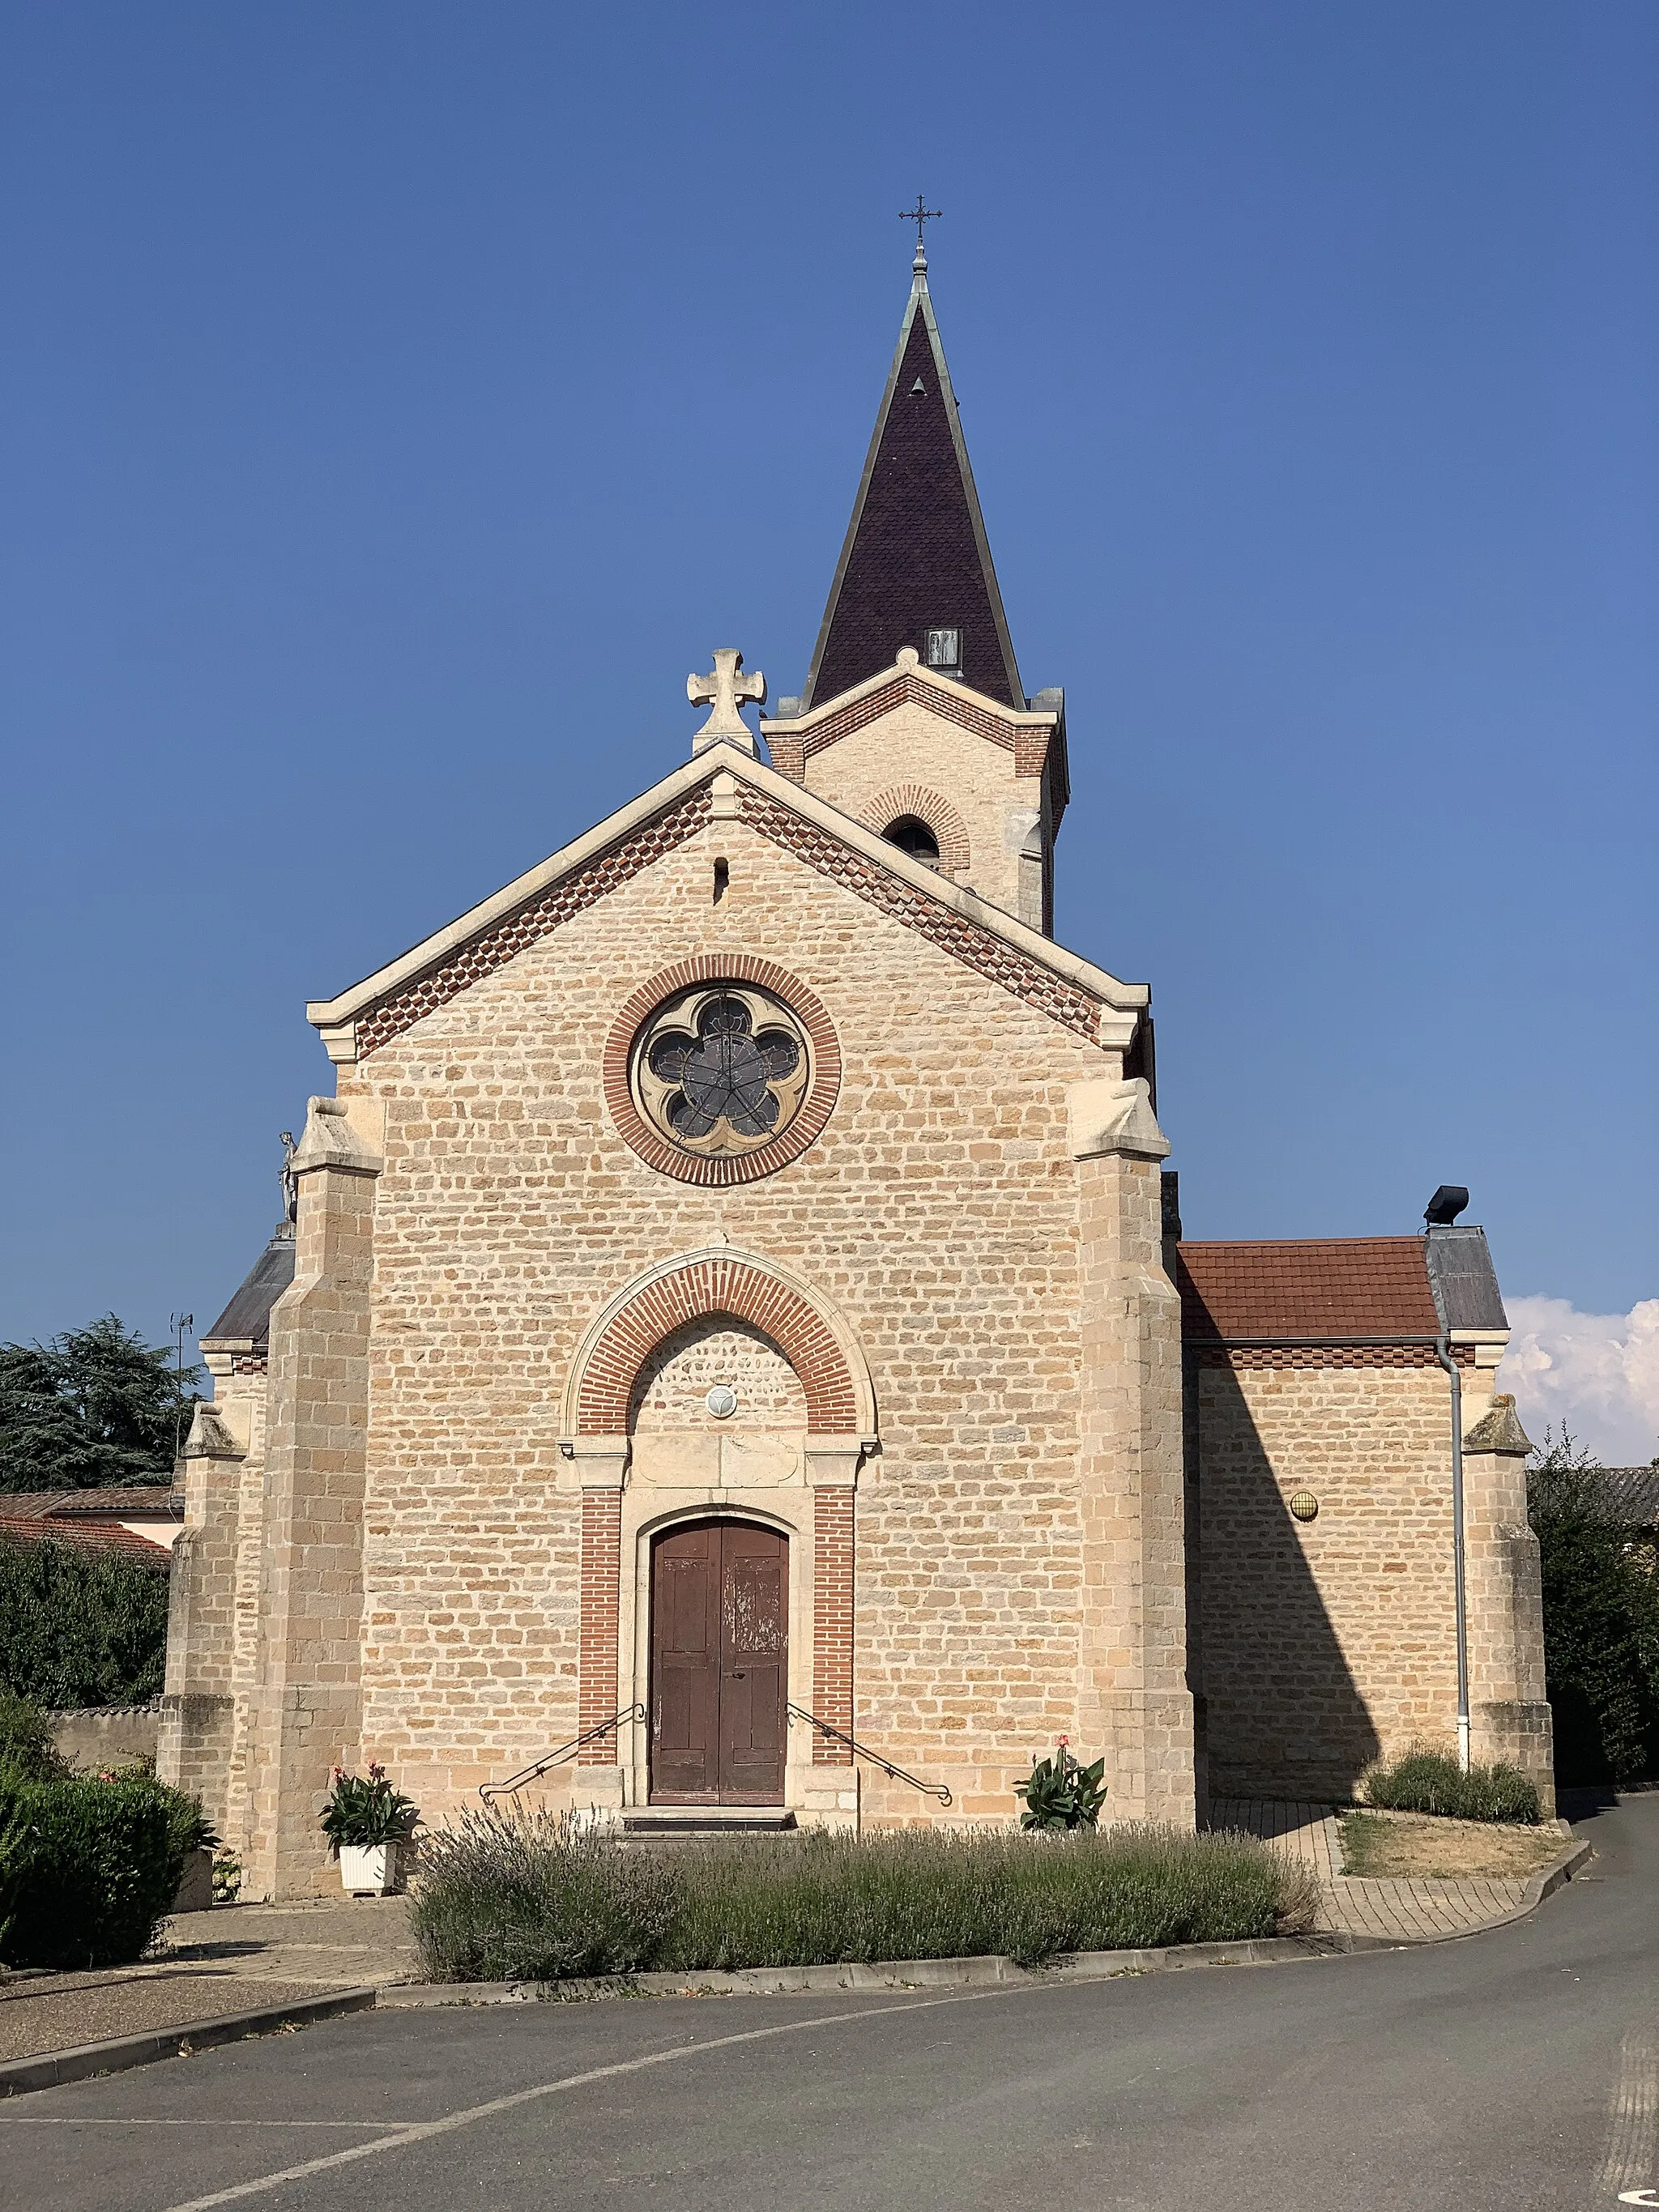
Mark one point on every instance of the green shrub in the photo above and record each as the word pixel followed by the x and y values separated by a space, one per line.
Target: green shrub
pixel 80 1627
pixel 26 1749
pixel 1601 1625
pixel 526 1896
pixel 523 1896
pixel 1428 1780
pixel 89 1865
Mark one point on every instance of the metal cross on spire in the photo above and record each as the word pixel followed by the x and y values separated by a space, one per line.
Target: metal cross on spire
pixel 921 215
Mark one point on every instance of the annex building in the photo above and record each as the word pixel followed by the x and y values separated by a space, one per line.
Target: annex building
pixel 734 1311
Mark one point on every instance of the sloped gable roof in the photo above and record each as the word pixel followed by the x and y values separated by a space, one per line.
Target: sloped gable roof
pixel 1330 1288
pixel 1072 991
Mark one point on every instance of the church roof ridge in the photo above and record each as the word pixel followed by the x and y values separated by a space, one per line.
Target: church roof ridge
pixel 882 591
pixel 336 1015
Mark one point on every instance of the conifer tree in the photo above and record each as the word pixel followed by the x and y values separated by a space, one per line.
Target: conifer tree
pixel 96 1408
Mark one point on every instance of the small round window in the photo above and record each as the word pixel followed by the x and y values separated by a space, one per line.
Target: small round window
pixel 722 1069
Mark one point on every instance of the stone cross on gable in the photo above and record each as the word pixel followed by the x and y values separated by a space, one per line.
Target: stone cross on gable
pixel 724 690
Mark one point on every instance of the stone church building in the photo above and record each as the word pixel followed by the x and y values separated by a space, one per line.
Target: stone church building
pixel 734 1313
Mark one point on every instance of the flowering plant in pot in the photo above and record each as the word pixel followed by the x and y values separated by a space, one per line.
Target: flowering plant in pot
pixel 368 1824
pixel 1061 1795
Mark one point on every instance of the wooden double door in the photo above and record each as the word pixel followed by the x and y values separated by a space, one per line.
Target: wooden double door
pixel 720 1664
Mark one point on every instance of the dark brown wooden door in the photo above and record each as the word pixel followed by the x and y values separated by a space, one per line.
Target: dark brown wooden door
pixel 719 1665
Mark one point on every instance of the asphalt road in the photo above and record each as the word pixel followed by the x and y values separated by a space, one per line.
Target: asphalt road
pixel 1518 2070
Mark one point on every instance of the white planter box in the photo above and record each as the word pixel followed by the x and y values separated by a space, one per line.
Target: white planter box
pixel 371 1870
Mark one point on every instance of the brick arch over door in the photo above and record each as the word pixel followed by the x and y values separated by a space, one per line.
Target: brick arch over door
pixel 839 1398
pixel 899 799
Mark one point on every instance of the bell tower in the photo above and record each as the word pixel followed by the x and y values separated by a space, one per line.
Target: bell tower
pixel 914 719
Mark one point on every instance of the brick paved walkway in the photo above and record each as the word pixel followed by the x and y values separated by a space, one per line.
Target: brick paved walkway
pixel 1351 1904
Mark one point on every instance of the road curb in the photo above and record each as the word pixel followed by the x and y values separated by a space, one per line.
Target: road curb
pixel 985 1972
pixel 20 2076
pixel 115 2055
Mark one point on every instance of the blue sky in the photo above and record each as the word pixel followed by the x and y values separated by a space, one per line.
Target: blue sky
pixel 397 401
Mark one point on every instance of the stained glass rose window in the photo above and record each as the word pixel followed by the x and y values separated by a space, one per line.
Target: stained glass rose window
pixel 721 1069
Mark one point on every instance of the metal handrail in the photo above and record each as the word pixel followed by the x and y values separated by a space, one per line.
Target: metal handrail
pixel 928 1788
pixel 489 1791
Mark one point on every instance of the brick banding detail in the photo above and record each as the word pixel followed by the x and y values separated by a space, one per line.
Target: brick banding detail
pixel 538 917
pixel 721 1170
pixel 1244 1357
pixel 992 957
pixel 832 1621
pixel 601 1597
pixel 716 1286
pixel 858 713
pixel 929 806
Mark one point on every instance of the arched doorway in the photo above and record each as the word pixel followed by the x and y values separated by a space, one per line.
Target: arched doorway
pixel 719 1663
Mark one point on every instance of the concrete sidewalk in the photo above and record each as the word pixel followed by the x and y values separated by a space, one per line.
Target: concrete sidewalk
pixel 237 1957
pixel 1422 1911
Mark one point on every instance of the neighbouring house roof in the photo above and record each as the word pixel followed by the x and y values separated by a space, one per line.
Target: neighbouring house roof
pixel 96 1520
pixel 1632 1493
pixel 1361 1288
pixel 915 556
pixel 244 1324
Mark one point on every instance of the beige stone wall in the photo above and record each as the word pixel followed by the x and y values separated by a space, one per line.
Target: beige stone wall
pixel 939 1211
pixel 1330 1642
pixel 913 746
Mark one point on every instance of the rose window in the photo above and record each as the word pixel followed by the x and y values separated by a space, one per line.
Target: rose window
pixel 723 1069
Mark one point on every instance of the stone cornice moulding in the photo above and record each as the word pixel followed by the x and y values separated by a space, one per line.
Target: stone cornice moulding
pixel 573 1442
pixel 1121 1003
pixel 945 689
pixel 1103 1118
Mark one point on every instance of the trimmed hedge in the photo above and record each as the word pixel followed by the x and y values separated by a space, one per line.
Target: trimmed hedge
pixel 524 1895
pixel 1426 1781
pixel 78 1627
pixel 89 1864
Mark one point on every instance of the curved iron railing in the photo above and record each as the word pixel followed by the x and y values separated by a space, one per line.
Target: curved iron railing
pixel 489 1791
pixel 899 1774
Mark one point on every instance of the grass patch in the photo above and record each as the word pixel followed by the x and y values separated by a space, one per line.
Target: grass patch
pixel 1402 1846
pixel 526 1895
pixel 1428 1780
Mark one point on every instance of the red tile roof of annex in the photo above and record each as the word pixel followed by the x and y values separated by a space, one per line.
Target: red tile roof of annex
pixel 1365 1287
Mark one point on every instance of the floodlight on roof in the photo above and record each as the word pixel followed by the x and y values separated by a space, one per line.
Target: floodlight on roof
pixel 1444 1208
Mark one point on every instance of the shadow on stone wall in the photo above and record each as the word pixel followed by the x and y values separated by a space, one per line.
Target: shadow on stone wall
pixel 1283 1715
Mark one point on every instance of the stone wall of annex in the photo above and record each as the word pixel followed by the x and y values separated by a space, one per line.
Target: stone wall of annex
pixel 939 1211
pixel 1323 1645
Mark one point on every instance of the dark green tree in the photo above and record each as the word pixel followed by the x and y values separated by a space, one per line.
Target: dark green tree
pixel 1601 1623
pixel 96 1409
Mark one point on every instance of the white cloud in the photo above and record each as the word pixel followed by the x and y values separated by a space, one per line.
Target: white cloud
pixel 1595 1374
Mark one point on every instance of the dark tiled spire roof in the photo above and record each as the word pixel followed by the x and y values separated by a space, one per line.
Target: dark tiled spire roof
pixel 917 556
pixel 245 1321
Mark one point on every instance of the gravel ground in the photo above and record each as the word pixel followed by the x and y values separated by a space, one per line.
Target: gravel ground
pixel 62 2010
pixel 238 1958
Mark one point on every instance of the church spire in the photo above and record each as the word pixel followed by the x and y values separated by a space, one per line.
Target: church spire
pixel 915 569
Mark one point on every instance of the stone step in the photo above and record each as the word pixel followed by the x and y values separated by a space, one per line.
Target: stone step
pixel 658 1824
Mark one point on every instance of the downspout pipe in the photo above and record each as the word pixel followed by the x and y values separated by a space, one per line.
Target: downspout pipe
pixel 1443 1353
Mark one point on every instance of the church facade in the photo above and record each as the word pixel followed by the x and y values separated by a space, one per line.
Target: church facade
pixel 734 1328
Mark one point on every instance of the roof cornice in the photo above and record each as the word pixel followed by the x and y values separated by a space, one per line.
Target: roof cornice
pixel 333 1017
